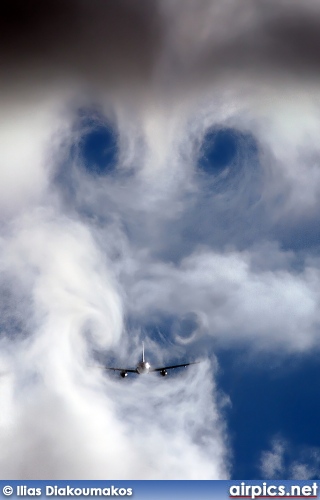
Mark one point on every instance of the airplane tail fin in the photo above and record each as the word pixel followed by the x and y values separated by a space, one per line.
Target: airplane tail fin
pixel 142 352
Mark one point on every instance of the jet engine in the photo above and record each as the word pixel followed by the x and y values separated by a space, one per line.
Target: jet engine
pixel 123 374
pixel 163 373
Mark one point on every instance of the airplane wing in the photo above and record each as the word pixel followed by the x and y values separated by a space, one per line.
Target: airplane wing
pixel 127 370
pixel 173 366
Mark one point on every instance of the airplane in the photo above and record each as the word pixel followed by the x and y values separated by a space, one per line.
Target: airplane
pixel 144 367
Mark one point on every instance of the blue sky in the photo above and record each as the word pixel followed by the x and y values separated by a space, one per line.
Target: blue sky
pixel 160 186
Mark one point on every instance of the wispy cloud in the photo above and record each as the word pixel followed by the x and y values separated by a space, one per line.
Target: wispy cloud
pixel 272 462
pixel 284 461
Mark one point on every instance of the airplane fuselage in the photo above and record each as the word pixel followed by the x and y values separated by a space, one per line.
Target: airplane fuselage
pixel 143 367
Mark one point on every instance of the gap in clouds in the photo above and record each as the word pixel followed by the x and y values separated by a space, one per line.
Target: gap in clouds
pixel 88 161
pixel 227 209
pixel 97 147
pixel 273 397
pixel 218 149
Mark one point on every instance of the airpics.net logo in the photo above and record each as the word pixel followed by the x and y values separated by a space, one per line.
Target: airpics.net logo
pixel 266 490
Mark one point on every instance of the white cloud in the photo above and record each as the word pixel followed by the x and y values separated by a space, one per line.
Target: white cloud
pixel 57 402
pixel 272 462
pixel 272 308
pixel 280 463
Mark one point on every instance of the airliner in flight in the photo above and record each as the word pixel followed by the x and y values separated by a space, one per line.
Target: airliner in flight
pixel 144 367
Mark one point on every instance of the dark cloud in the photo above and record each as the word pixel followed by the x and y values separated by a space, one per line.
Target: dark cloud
pixel 293 40
pixel 92 41
pixel 264 39
pixel 110 42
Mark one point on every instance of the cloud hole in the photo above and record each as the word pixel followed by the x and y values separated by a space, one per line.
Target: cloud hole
pixel 98 148
pixel 218 150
